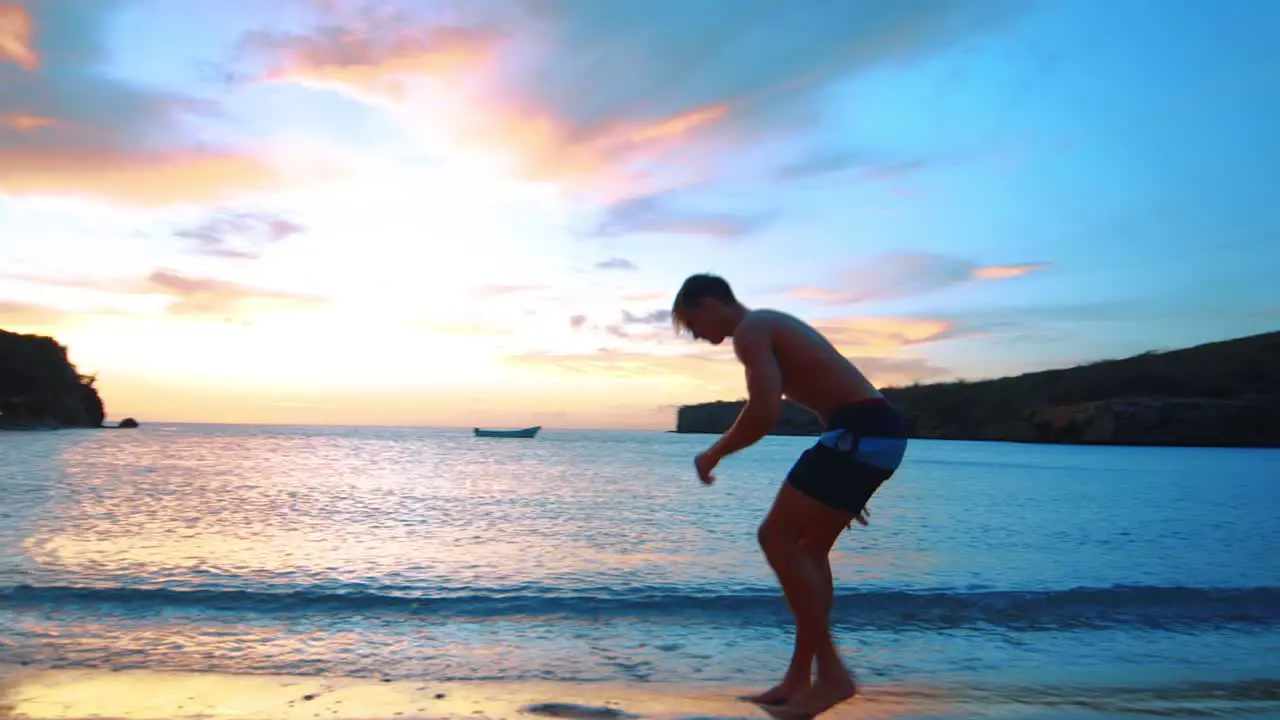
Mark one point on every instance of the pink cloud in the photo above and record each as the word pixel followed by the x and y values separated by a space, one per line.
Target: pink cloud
pixel 906 274
pixel 16 30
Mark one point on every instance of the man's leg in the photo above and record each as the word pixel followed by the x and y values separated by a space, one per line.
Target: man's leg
pixel 806 583
pixel 797 681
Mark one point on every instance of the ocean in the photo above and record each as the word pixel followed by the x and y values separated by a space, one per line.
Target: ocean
pixel 995 579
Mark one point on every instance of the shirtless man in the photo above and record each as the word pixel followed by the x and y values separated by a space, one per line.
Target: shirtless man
pixel 827 488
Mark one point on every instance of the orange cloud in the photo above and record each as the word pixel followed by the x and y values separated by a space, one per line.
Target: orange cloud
pixel 192 295
pixel 679 125
pixel 26 123
pixel 147 179
pixel 371 62
pixel 874 343
pixel 906 274
pixel 443 79
pixel 29 315
pixel 16 29
pixel 69 127
pixel 715 372
pixel 200 296
pixel 598 161
pixel 622 364
pixel 1003 272
pixel 883 335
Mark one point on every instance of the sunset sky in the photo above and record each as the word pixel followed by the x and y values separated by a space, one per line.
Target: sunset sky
pixel 473 212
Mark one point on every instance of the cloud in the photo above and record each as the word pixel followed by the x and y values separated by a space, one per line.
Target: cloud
pixel 875 344
pixel 66 126
pixel 27 123
pixel 906 274
pixel 232 234
pixel 21 314
pixel 616 264
pixel 898 371
pixel 621 364
pixel 204 296
pixel 626 325
pixel 661 214
pixel 1003 272
pixel 885 335
pixel 651 318
pixel 16 36
pixel 498 290
pixel 189 294
pixel 370 52
pixel 648 324
pixel 648 296
pixel 445 74
pixel 872 167
pixel 615 98
pixel 701 370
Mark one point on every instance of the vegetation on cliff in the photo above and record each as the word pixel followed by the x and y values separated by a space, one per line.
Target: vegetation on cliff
pixel 1222 393
pixel 40 387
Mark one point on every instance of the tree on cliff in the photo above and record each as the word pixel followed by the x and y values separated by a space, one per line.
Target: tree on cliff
pixel 39 385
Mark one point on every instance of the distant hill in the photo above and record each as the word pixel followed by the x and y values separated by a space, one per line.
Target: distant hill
pixel 1220 394
pixel 40 388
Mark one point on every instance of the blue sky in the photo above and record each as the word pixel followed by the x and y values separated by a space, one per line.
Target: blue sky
pixel 219 205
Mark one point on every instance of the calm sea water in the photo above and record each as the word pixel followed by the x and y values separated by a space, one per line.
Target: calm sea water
pixel 1099 579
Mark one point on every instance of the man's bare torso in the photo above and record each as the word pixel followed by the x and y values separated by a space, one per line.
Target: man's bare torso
pixel 814 373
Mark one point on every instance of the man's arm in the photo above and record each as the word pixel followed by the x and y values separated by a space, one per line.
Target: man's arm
pixel 754 348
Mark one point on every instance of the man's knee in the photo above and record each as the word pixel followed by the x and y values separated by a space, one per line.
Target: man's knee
pixel 774 538
pixel 769 536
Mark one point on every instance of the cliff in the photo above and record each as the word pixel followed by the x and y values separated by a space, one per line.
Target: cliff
pixel 716 417
pixel 1220 394
pixel 40 388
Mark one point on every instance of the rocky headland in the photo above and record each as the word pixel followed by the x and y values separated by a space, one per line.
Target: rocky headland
pixel 40 389
pixel 1223 394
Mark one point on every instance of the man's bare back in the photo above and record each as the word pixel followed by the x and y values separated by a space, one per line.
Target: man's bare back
pixel 814 373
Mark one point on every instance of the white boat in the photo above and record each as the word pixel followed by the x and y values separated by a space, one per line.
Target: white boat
pixel 522 433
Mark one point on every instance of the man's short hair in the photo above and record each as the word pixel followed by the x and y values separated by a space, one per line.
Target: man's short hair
pixel 695 289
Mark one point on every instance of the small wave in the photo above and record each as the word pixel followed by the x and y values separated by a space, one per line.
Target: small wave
pixel 1150 606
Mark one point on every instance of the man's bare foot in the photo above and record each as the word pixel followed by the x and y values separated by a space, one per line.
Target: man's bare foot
pixel 826 694
pixel 779 694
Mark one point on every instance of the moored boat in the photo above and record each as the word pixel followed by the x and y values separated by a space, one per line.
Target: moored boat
pixel 521 433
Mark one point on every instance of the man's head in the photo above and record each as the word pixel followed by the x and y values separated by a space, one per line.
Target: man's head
pixel 706 307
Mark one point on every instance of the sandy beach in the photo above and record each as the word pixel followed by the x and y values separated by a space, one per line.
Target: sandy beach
pixel 29 694
pixel 148 695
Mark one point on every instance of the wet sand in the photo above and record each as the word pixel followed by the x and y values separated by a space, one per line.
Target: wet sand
pixel 146 695
pixel 31 694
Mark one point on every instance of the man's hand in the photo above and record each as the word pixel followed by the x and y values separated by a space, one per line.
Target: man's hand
pixel 705 463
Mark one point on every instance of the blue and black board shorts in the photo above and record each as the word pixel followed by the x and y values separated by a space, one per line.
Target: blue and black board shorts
pixel 862 446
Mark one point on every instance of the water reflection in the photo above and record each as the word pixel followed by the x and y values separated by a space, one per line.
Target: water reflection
pixel 297 510
pixel 380 552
